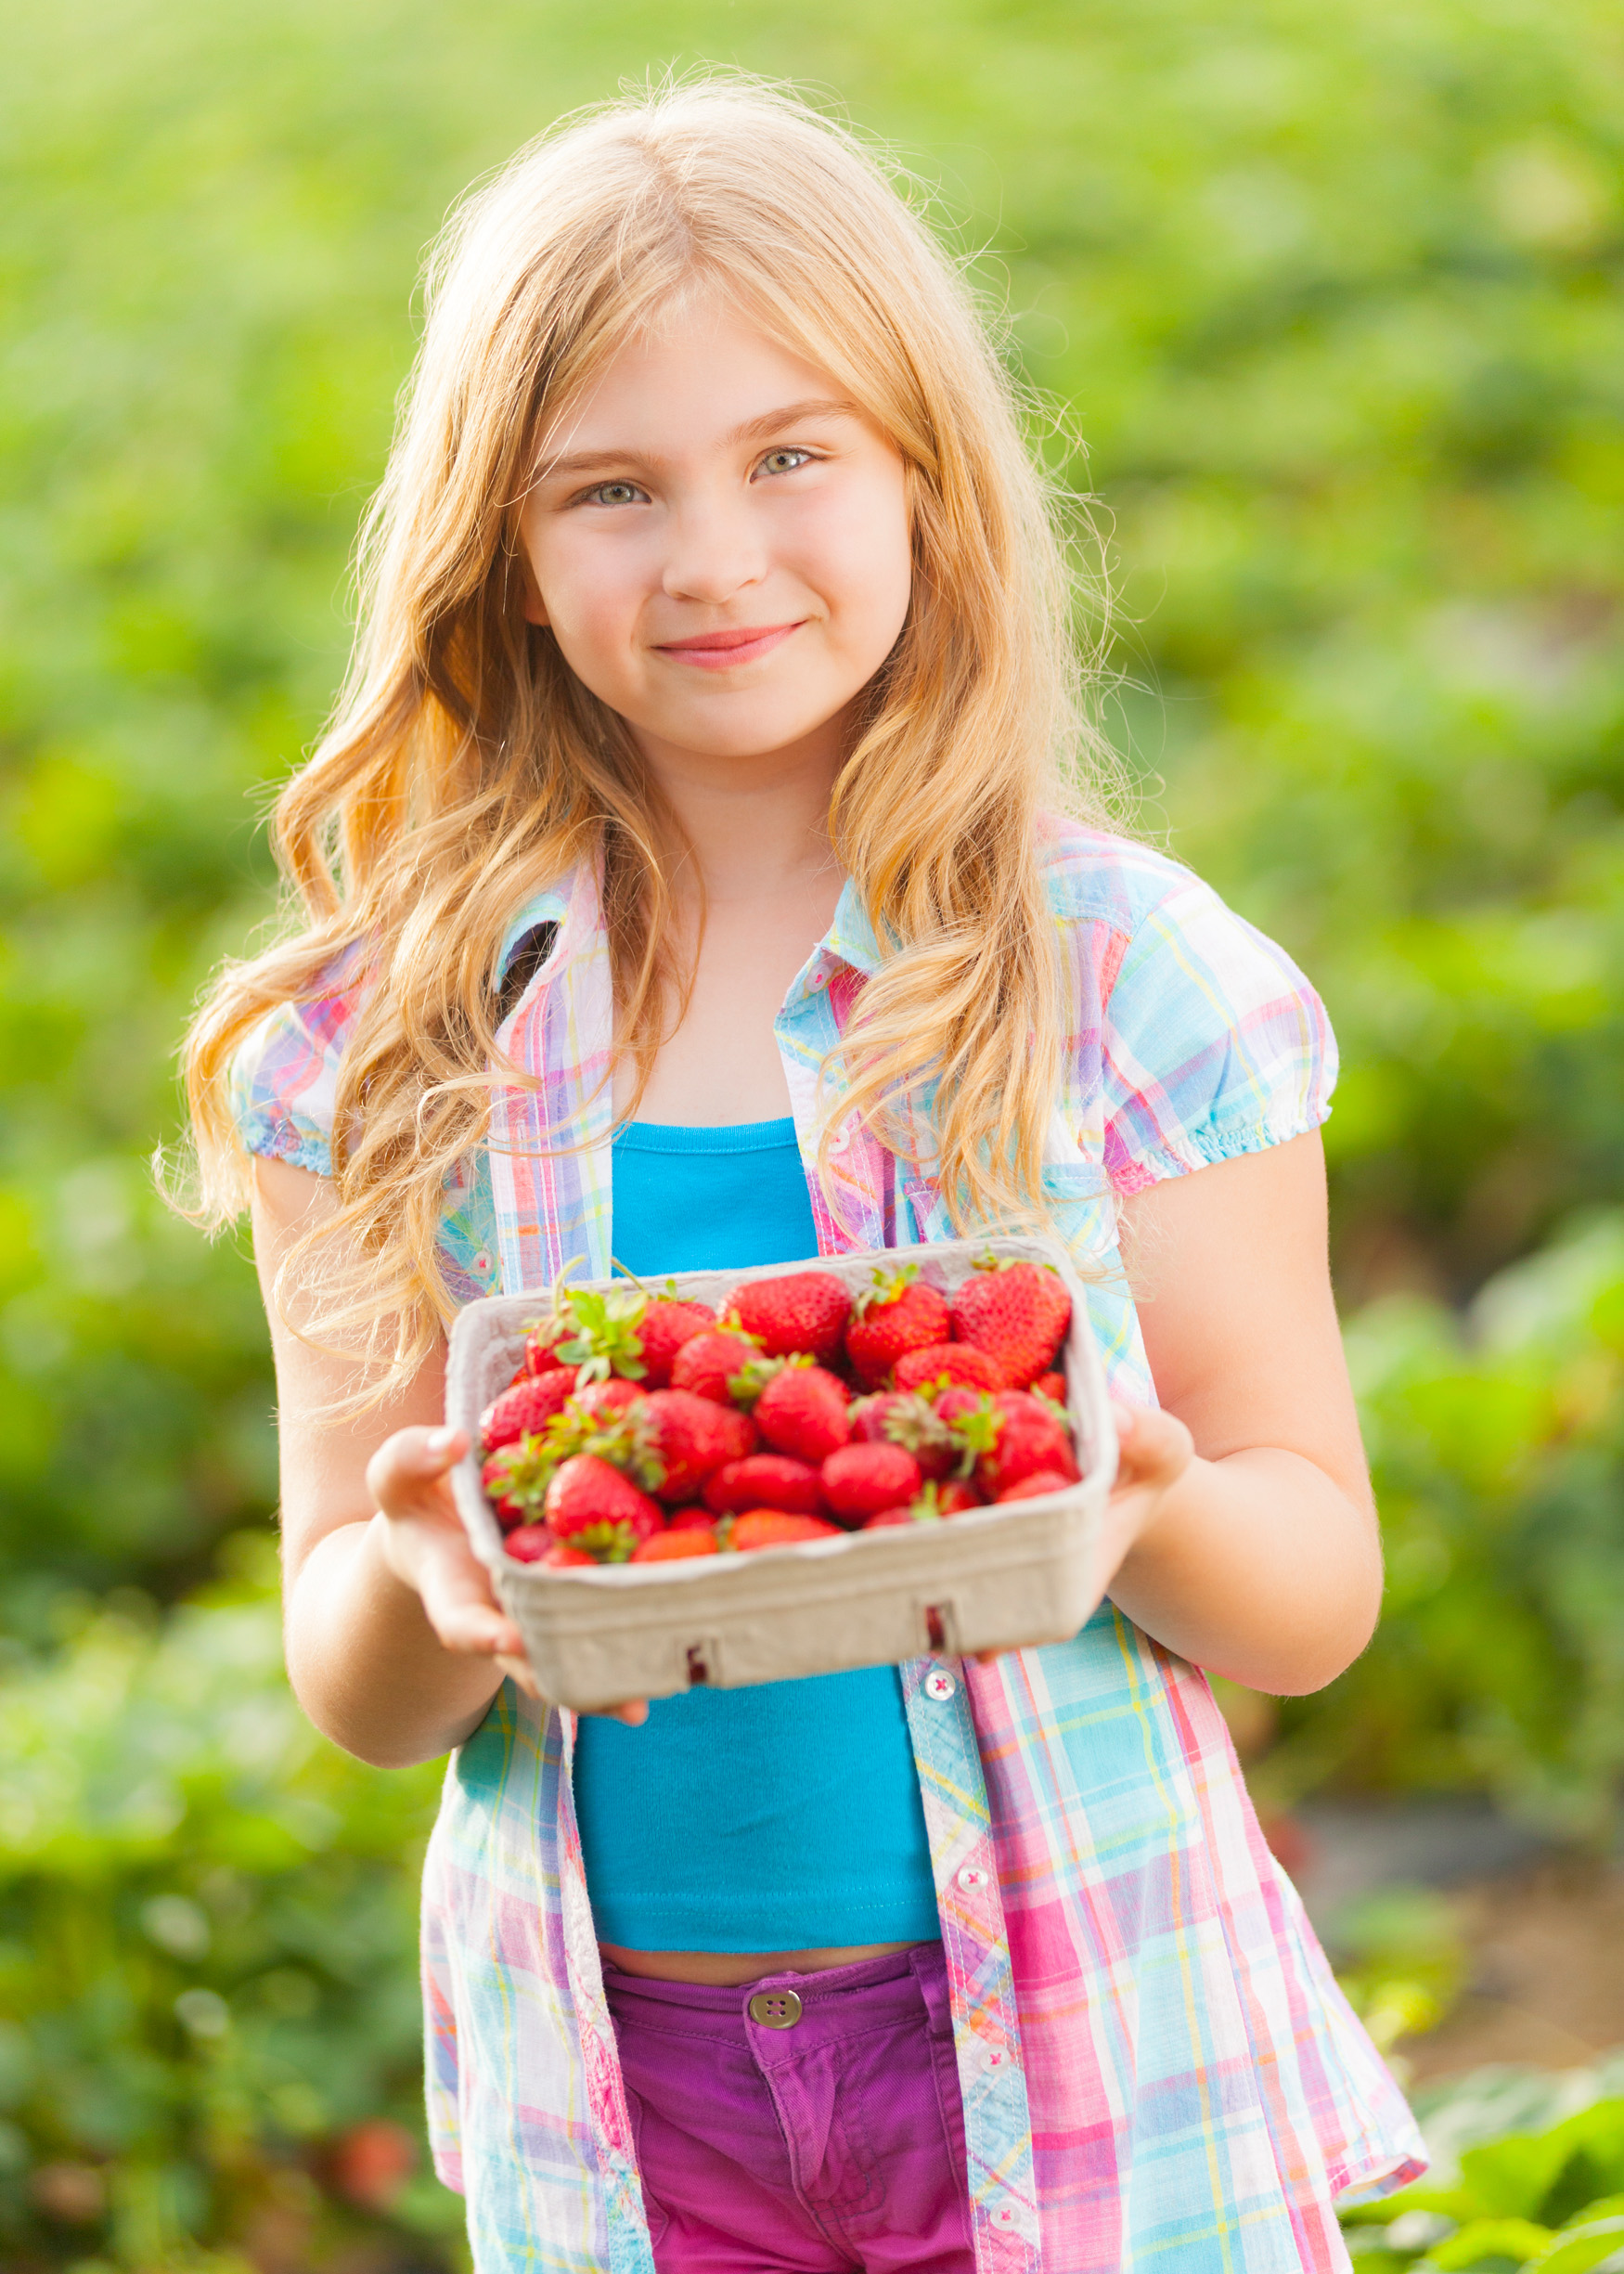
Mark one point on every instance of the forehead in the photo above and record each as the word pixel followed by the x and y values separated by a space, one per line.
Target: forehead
pixel 702 370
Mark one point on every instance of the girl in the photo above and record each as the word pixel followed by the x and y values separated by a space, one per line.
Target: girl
pixel 691 874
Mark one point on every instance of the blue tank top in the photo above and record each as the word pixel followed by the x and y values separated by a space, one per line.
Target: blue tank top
pixel 785 1817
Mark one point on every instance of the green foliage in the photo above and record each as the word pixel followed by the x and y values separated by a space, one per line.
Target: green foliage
pixel 207 1933
pixel 1550 2200
pixel 1399 1957
pixel 1498 1449
pixel 1331 293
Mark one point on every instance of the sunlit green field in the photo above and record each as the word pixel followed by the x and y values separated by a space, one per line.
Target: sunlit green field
pixel 1324 303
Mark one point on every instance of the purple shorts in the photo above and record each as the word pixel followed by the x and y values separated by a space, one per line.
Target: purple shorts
pixel 805 2124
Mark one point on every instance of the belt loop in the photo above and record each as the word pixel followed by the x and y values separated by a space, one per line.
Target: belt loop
pixel 929 1961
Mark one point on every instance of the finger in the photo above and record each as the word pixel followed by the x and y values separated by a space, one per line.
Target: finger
pixel 634 1715
pixel 473 1629
pixel 518 1670
pixel 1152 1446
pixel 407 1468
pixel 459 1600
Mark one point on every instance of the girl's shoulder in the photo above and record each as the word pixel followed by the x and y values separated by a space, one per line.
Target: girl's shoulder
pixel 284 1075
pixel 285 1071
pixel 1130 910
pixel 1095 877
pixel 1194 1037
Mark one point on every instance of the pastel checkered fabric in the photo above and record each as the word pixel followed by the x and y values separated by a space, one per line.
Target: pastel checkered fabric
pixel 1157 2068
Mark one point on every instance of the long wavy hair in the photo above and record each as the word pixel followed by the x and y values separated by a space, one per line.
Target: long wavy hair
pixel 466 767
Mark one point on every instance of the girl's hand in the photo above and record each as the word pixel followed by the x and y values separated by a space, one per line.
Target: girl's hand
pixel 1153 1451
pixel 423 1543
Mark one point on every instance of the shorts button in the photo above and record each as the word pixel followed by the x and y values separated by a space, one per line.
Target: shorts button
pixel 775 2008
pixel 939 1686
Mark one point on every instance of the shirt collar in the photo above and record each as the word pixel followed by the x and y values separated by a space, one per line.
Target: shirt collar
pixel 849 939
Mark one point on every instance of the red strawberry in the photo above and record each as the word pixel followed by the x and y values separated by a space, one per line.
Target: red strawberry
pixel 929 1507
pixel 678 1441
pixel 957 1362
pixel 898 1313
pixel 1030 1437
pixel 951 1404
pixel 594 1507
pixel 776 1528
pixel 860 1481
pixel 525 1409
pixel 1051 1386
pixel 739 1432
pixel 765 1480
pixel 803 1411
pixel 692 1518
pixel 1017 1312
pixel 1041 1480
pixel 565 1551
pixel 529 1543
pixel 900 1417
pixel 672 1546
pixel 664 1327
pixel 707 1363
pixel 540 1354
pixel 605 1401
pixel 511 1482
pixel 592 1420
pixel 805 1311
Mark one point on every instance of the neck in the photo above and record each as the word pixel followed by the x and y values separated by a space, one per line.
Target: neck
pixel 752 825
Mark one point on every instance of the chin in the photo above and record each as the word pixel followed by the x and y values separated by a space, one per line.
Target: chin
pixel 752 734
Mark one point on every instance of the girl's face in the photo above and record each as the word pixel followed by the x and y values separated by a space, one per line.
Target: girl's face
pixel 720 541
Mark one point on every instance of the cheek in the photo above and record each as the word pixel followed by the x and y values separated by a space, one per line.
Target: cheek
pixel 861 558
pixel 591 600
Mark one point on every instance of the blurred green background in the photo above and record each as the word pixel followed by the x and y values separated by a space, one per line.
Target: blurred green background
pixel 1332 292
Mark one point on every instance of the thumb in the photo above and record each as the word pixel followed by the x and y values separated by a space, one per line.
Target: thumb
pixel 1153 1447
pixel 408 1469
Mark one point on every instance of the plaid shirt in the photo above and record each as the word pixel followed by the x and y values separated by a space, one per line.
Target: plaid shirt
pixel 1157 2067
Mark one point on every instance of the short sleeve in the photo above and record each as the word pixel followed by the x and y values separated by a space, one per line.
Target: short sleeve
pixel 1214 1042
pixel 284 1077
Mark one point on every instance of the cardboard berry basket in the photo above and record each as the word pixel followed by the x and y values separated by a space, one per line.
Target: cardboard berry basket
pixel 989 1579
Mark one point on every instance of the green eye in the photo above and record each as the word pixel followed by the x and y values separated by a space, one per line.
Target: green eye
pixel 785 460
pixel 614 493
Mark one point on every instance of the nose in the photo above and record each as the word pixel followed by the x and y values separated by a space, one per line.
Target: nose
pixel 716 551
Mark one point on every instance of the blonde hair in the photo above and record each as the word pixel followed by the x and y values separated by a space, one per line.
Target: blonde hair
pixel 466 767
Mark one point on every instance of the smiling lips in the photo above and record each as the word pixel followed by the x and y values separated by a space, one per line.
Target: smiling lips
pixel 725 651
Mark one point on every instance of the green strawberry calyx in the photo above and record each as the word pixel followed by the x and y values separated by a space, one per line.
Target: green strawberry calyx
pixel 975 1431
pixel 753 1378
pixel 989 1262
pixel 889 1285
pixel 604 1338
pixel 605 1541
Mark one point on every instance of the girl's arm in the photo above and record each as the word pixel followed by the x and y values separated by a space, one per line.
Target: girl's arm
pixel 395 1646
pixel 1259 1557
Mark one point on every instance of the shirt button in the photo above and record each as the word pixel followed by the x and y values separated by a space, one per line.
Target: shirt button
pixel 972 1877
pixel 939 1685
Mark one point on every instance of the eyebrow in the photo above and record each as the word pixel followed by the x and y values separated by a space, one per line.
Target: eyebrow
pixel 752 430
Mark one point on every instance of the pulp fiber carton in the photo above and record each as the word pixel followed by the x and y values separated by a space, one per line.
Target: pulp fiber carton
pixel 1029 1572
